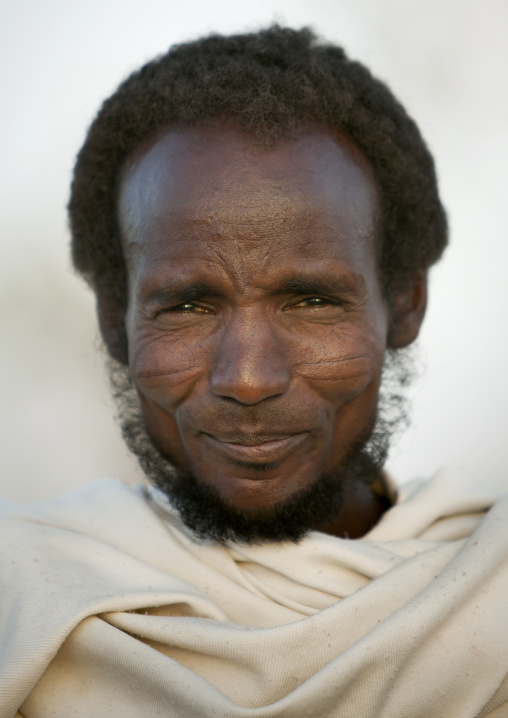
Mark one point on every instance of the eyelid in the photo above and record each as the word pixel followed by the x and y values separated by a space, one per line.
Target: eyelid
pixel 165 298
pixel 175 308
pixel 334 301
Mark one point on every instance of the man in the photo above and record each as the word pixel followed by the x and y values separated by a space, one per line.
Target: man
pixel 257 215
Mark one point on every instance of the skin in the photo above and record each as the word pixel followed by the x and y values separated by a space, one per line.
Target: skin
pixel 256 322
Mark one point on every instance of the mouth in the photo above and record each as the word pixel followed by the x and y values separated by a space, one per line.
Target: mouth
pixel 256 450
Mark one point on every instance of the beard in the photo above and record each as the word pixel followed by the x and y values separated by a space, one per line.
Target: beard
pixel 210 518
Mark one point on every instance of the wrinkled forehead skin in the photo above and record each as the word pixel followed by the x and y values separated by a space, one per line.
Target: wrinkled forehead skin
pixel 208 177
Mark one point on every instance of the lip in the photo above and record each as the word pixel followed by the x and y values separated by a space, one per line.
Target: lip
pixel 266 452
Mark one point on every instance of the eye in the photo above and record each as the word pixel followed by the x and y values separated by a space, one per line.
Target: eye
pixel 315 302
pixel 187 307
pixel 184 308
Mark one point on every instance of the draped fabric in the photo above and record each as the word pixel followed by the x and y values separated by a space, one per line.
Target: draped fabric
pixel 110 607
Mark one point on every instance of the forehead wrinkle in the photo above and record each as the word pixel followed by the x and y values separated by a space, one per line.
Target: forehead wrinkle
pixel 213 225
pixel 222 210
pixel 230 201
pixel 242 257
pixel 267 208
pixel 224 273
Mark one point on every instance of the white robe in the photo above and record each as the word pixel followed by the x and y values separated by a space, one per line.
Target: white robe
pixel 110 607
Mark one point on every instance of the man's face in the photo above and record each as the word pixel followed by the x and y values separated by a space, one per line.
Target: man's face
pixel 256 322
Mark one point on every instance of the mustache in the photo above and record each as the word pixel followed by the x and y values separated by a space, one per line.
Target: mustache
pixel 272 419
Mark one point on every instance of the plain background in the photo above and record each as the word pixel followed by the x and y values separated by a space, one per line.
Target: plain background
pixel 445 59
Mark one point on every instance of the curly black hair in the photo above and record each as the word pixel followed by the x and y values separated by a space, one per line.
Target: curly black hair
pixel 270 83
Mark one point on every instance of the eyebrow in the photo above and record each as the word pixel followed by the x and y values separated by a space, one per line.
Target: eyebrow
pixel 321 285
pixel 181 294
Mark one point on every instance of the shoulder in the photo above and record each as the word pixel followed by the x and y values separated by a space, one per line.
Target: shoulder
pixel 446 507
pixel 97 501
pixel 106 511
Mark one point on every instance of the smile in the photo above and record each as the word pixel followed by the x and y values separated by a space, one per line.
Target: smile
pixel 265 452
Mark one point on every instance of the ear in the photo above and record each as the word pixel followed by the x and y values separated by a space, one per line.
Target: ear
pixel 111 315
pixel 407 309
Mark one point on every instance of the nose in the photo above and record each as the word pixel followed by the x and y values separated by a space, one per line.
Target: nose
pixel 251 363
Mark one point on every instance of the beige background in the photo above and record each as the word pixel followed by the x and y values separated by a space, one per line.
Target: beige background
pixel 447 61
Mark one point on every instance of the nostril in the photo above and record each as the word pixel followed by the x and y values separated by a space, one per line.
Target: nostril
pixel 247 393
pixel 249 384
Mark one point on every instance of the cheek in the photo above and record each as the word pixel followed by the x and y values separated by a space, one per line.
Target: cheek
pixel 343 362
pixel 165 369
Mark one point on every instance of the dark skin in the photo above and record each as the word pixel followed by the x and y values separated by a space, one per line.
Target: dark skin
pixel 257 323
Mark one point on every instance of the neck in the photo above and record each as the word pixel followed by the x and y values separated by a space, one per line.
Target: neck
pixel 360 511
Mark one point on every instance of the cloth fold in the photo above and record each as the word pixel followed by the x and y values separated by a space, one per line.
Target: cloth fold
pixel 110 607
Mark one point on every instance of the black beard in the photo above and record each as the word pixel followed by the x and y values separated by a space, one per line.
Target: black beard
pixel 210 518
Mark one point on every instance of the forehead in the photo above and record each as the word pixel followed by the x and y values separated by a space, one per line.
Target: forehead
pixel 216 183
